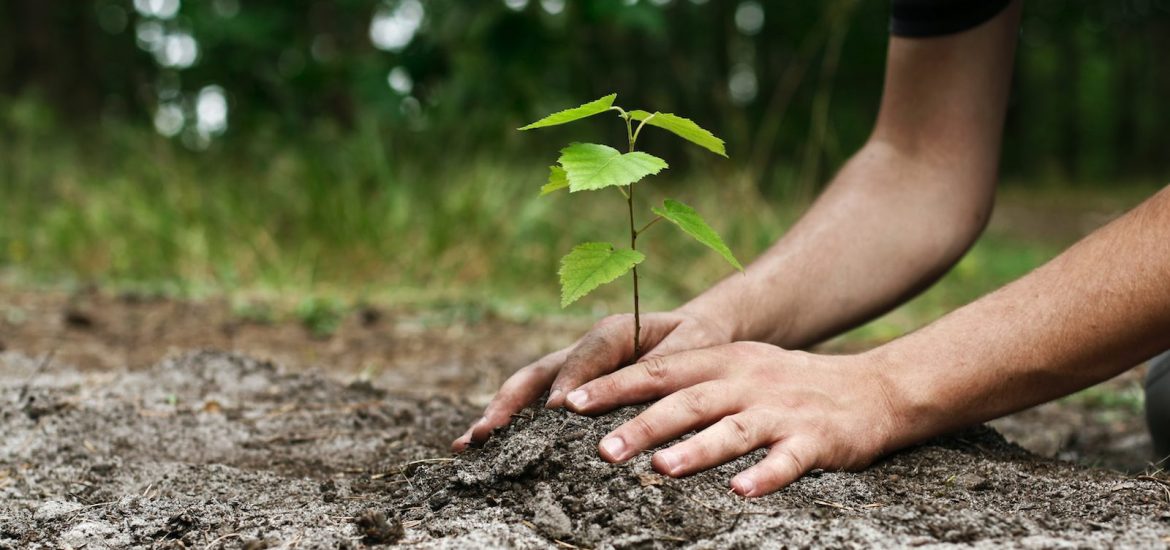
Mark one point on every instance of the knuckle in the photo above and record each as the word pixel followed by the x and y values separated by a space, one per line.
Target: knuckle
pixel 655 368
pixel 739 429
pixel 641 429
pixel 692 401
pixel 608 385
pixel 794 462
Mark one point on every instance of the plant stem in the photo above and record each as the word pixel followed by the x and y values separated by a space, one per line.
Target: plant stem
pixel 632 136
pixel 634 246
pixel 650 223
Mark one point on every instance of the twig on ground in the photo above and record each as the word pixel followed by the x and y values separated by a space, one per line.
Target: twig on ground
pixel 297 541
pixel 44 362
pixel 427 460
pixel 829 504
pixel 1165 484
pixel 221 539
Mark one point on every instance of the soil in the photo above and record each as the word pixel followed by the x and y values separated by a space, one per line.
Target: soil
pixel 112 436
pixel 216 450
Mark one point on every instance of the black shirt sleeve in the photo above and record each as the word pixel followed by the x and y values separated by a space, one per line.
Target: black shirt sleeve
pixel 921 18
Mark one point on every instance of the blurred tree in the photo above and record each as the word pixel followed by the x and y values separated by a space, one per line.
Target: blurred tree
pixel 792 85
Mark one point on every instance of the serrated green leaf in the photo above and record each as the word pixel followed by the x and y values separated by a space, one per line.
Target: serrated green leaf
pixel 557 179
pixel 594 107
pixel 592 166
pixel 684 128
pixel 591 265
pixel 692 224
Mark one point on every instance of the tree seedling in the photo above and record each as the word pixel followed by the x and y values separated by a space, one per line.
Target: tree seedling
pixel 591 166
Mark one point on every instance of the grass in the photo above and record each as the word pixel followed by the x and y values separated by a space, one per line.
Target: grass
pixel 327 221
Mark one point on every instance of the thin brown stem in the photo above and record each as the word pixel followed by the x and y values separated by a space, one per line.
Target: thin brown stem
pixel 634 246
pixel 629 193
pixel 647 226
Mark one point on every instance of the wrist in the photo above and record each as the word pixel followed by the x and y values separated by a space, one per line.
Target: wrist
pixel 904 419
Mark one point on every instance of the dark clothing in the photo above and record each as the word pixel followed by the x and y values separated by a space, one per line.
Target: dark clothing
pixel 1158 407
pixel 922 18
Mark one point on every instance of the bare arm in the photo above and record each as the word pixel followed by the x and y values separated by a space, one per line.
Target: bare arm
pixel 1094 311
pixel 901 212
pixel 1091 313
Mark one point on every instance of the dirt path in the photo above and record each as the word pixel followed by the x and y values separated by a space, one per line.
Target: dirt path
pixel 212 450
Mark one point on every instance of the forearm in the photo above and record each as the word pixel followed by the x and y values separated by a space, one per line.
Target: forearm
pixel 901 212
pixel 882 231
pixel 1096 310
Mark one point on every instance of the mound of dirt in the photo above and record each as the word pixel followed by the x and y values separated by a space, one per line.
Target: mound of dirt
pixel 543 478
pixel 214 450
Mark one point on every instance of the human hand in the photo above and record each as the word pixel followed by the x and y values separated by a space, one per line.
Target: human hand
pixel 604 349
pixel 810 411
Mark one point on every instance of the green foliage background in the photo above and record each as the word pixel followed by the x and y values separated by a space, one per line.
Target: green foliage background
pixel 1089 102
pixel 327 178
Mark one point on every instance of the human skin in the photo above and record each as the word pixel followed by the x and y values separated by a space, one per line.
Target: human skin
pixel 899 214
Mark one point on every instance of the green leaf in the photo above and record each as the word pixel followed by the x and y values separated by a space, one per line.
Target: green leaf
pixel 592 166
pixel 689 221
pixel 684 128
pixel 576 113
pixel 591 265
pixel 557 179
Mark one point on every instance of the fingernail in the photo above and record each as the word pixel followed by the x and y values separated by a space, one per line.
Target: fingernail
pixel 671 462
pixel 744 485
pixel 577 398
pixel 614 447
pixel 551 397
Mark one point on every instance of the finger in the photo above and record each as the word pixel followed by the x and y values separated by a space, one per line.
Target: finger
pixel 684 337
pixel 676 414
pixel 606 347
pixel 730 438
pixel 647 380
pixel 785 463
pixel 517 392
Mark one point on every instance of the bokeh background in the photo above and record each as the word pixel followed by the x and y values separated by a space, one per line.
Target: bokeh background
pixel 350 151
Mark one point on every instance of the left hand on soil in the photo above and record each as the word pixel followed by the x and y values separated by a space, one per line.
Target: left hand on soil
pixel 809 411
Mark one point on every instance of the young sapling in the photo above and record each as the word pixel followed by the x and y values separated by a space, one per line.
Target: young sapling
pixel 592 166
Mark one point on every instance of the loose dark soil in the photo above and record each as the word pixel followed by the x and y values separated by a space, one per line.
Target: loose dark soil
pixel 459 352
pixel 214 450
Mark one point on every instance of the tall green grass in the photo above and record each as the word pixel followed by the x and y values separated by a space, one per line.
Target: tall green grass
pixel 358 213
pixel 367 215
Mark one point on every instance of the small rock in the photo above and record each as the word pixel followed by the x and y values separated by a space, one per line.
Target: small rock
pixel 973 482
pixel 376 529
pixel 54 509
pixel 439 500
pixel 94 534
